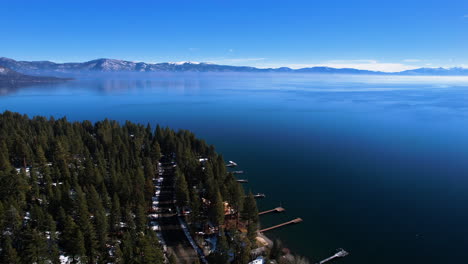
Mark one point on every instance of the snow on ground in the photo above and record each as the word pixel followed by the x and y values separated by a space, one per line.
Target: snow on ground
pixel 65 259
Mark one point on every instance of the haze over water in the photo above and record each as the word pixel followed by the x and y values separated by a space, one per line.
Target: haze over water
pixel 375 165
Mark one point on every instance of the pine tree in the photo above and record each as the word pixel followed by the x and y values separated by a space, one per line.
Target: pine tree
pixel 243 252
pixel 222 244
pixel 252 232
pixel 72 240
pixel 150 253
pixel 250 210
pixel 87 229
pixel 250 214
pixel 5 164
pixel 116 214
pixel 217 210
pixel 155 151
pixel 2 216
pixel 53 253
pixel 195 205
pixel 89 164
pixel 127 248
pixel 35 250
pixel 118 255
pixel 13 219
pixel 78 243
pixel 9 254
pixel 140 219
pixel 181 189
pixel 101 225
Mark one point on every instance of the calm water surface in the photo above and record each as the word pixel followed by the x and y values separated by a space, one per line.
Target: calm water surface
pixel 375 165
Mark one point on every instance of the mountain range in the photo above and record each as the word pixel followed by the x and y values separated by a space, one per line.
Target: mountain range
pixel 113 65
pixel 11 78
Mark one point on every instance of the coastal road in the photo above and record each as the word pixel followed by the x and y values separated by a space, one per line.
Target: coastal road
pixel 172 233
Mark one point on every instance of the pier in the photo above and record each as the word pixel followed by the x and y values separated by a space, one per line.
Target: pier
pixel 231 164
pixel 295 221
pixel 275 210
pixel 340 254
pixel 259 195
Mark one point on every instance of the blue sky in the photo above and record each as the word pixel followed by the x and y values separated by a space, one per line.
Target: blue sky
pixel 366 34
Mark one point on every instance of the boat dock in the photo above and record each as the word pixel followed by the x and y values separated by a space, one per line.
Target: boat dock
pixel 242 181
pixel 276 210
pixel 294 221
pixel 340 254
pixel 259 195
pixel 231 164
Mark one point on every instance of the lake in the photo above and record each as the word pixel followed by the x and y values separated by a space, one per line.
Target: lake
pixel 377 165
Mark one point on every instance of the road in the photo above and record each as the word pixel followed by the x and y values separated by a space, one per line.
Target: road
pixel 172 233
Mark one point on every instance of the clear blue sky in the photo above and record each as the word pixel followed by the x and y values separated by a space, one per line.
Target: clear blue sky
pixel 383 35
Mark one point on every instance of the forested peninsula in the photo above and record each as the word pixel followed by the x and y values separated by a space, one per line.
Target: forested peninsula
pixel 110 192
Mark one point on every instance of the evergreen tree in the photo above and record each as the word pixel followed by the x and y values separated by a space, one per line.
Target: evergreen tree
pixel 116 214
pixel 181 189
pixel 72 239
pixel 5 164
pixel 13 220
pixel 223 246
pixel 195 205
pixel 140 219
pixel 127 250
pixel 35 250
pixel 250 210
pixel 54 253
pixel 217 210
pixel 9 254
pixel 150 253
pixel 118 255
pixel 155 151
pixel 243 252
pixel 2 217
pixel 75 169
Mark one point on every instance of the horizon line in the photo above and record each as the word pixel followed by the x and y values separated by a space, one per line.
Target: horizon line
pixel 300 66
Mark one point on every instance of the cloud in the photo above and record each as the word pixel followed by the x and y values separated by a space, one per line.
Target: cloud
pixel 364 64
pixel 234 60
pixel 361 64
pixel 411 60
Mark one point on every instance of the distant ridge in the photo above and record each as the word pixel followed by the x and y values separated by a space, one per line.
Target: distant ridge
pixel 11 78
pixel 113 65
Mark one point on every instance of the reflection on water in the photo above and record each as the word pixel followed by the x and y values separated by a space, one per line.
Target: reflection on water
pixel 373 164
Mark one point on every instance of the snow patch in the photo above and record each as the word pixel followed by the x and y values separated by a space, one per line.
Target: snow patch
pixel 65 259
pixel 184 62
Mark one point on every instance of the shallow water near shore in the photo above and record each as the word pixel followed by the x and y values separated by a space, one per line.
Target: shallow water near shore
pixel 375 165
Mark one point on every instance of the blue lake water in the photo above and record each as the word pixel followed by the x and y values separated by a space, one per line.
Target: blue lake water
pixel 375 165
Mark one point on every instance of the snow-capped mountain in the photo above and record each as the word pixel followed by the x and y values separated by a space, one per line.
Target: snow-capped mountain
pixel 113 65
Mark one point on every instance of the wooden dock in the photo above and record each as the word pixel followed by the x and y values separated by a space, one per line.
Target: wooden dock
pixel 295 221
pixel 231 164
pixel 340 254
pixel 277 210
pixel 258 195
